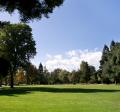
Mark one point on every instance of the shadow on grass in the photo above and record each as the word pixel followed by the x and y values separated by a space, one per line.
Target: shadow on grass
pixel 27 90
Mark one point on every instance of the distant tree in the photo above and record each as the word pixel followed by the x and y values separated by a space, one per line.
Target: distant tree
pixel 3 23
pixel 30 9
pixel 55 76
pixel 16 45
pixel 40 68
pixel 104 65
pixel 114 60
pixel 31 73
pixel 93 74
pixel 112 44
pixel 85 72
pixel 46 75
pixel 110 63
pixel 64 77
pixel 41 78
pixel 105 54
pixel 75 76
pixel 98 74
pixel 20 77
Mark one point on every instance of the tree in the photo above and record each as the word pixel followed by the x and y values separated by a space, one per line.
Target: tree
pixel 104 65
pixel 47 79
pixel 30 9
pixel 41 79
pixel 110 63
pixel 93 74
pixel 55 76
pixel 16 45
pixel 31 73
pixel 84 68
pixel 20 77
pixel 3 23
pixel 114 60
pixel 64 76
pixel 75 76
pixel 112 44
pixel 105 54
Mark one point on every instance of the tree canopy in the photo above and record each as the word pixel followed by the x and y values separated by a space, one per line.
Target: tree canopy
pixel 30 9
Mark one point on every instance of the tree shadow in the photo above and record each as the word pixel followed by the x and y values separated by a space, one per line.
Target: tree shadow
pixel 27 90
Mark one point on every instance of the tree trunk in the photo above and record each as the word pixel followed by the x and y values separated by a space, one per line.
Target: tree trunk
pixel 11 81
pixel 12 72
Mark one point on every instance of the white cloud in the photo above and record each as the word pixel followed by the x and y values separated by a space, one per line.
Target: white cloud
pixel 71 60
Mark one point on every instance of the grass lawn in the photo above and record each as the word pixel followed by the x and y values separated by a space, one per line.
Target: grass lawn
pixel 61 98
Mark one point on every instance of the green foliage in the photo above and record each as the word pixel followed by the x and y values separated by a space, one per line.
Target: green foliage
pixel 16 45
pixel 93 75
pixel 30 9
pixel 42 75
pixel 84 68
pixel 105 54
pixel 55 76
pixel 75 76
pixel 31 73
pixel 88 73
pixel 110 63
pixel 3 23
pixel 64 77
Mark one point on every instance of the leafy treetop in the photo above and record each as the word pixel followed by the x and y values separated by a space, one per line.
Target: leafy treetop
pixel 30 9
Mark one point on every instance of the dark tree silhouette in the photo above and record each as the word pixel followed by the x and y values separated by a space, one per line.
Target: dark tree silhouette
pixel 4 67
pixel 30 9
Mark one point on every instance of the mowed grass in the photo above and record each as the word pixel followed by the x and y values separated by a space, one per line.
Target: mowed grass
pixel 61 98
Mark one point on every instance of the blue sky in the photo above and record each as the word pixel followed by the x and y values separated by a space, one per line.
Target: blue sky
pixel 76 26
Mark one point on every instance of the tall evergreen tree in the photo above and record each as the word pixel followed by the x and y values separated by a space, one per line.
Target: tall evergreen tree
pixel 104 65
pixel 105 54
pixel 40 77
pixel 110 63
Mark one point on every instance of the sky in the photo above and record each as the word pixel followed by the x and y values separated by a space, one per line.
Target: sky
pixel 75 31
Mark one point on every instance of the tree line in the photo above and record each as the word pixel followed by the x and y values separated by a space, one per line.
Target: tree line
pixel 32 75
pixel 108 72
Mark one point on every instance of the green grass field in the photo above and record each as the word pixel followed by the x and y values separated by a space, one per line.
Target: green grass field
pixel 61 98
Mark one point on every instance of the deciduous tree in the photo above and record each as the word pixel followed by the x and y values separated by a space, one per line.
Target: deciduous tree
pixel 17 45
